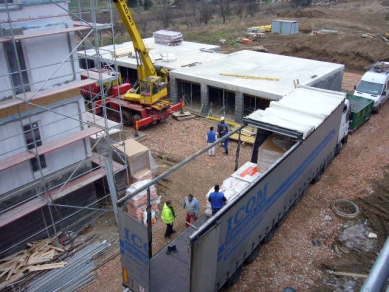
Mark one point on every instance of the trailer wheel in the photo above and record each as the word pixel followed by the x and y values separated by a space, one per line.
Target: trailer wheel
pixel 253 255
pixel 338 148
pixel 269 235
pixel 234 278
pixel 318 176
pixel 127 118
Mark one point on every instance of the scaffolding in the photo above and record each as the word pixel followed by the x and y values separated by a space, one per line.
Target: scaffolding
pixel 44 117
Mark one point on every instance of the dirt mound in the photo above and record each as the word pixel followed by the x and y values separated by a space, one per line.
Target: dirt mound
pixel 355 52
pixel 385 3
pixel 375 215
pixel 301 14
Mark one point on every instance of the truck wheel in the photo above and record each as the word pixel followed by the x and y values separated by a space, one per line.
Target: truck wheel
pixel 136 116
pixel 127 118
pixel 234 278
pixel 377 109
pixel 253 255
pixel 269 235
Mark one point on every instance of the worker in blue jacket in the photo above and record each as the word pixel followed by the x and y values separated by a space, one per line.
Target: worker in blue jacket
pixel 217 200
pixel 211 138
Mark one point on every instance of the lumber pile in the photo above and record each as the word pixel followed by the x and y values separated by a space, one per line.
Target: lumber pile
pixel 38 257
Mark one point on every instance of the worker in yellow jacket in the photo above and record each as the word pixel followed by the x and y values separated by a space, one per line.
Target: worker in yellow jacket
pixel 168 216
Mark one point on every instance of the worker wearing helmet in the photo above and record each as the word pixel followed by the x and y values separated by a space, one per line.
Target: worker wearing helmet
pixel 221 128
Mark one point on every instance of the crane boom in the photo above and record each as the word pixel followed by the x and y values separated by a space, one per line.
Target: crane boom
pixel 148 68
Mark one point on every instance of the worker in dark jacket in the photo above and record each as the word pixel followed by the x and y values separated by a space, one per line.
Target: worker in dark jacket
pixel 220 128
pixel 217 200
pixel 226 142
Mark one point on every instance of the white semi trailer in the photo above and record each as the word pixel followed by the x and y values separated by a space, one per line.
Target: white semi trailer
pixel 296 139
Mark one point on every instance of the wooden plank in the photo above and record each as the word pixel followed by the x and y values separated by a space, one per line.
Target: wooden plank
pixel 12 270
pixel 46 267
pixel 35 261
pixel 9 282
pixel 57 248
pixel 12 256
pixel 350 275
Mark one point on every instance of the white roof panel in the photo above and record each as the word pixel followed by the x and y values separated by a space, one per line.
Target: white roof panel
pixel 302 110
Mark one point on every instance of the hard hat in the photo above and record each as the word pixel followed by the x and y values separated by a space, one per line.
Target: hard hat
pixel 222 118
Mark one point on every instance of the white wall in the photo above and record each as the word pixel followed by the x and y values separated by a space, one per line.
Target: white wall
pixel 47 58
pixel 52 126
pixel 5 81
pixel 33 15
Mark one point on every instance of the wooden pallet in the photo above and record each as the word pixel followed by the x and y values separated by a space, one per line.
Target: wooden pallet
pixel 183 116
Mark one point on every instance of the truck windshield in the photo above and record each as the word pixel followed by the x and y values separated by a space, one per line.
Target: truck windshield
pixel 370 87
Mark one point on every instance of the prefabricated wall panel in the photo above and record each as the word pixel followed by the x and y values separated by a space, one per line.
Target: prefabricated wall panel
pixel 45 71
pixel 62 121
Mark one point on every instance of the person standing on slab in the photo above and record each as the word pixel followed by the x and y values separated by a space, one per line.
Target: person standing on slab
pixel 226 142
pixel 220 128
pixel 211 138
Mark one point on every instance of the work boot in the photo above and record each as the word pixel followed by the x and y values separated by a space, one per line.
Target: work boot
pixel 174 231
pixel 174 249
pixel 169 250
pixel 168 236
pixel 226 152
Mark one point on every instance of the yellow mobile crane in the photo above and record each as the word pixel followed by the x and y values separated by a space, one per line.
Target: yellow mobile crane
pixel 144 103
pixel 152 87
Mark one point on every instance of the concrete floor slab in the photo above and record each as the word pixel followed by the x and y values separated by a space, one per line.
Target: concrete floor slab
pixel 171 57
pixel 266 66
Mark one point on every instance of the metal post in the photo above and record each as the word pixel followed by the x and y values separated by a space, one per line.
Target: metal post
pixel 149 225
pixel 379 273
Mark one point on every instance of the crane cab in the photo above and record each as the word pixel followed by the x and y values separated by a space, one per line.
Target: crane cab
pixel 151 90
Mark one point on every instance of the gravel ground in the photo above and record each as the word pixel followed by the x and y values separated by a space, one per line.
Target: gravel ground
pixel 290 259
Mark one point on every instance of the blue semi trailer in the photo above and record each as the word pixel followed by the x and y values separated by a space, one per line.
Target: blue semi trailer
pixel 296 139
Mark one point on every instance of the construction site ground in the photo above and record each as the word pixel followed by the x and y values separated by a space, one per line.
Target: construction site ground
pixel 314 249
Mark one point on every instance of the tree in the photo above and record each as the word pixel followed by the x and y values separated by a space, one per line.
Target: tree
pixel 252 9
pixel 225 9
pixel 147 4
pixel 133 3
pixel 302 3
pixel 165 16
pixel 239 9
pixel 205 12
